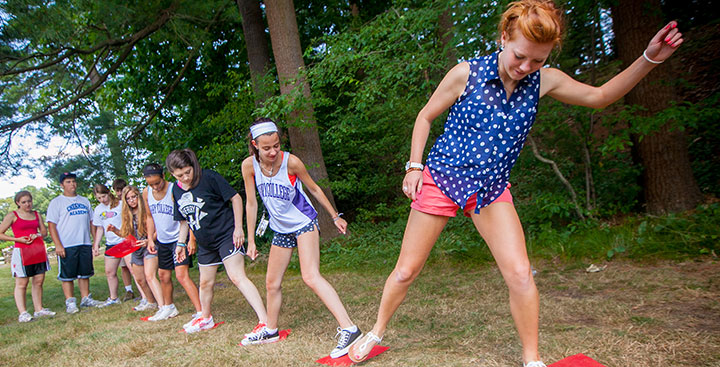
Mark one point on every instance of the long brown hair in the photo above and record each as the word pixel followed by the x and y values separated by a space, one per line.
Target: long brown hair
pixel 102 189
pixel 127 216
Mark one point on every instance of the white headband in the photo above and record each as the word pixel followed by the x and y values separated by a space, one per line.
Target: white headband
pixel 262 128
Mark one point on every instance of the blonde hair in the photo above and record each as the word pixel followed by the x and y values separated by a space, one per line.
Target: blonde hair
pixel 538 20
pixel 127 216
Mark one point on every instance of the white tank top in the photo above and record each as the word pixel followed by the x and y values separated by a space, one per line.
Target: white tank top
pixel 166 227
pixel 286 202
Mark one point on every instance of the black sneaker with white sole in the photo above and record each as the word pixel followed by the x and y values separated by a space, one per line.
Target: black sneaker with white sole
pixel 262 336
pixel 345 340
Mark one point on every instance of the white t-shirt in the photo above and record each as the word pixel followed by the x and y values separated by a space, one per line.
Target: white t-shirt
pixel 72 217
pixel 104 216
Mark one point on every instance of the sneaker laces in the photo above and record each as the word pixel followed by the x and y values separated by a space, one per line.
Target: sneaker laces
pixel 344 338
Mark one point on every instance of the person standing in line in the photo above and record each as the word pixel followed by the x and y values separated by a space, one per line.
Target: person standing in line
pixel 279 178
pixel 69 221
pixel 29 256
pixel 106 213
pixel 201 203
pixel 144 262
pixel 163 232
pixel 127 277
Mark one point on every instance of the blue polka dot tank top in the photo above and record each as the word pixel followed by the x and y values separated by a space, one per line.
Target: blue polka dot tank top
pixel 484 133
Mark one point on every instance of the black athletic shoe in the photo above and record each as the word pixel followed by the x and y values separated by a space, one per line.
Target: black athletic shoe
pixel 261 337
pixel 345 340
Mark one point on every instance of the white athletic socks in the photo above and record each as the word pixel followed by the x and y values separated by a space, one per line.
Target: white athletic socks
pixel 271 331
pixel 128 288
pixel 352 329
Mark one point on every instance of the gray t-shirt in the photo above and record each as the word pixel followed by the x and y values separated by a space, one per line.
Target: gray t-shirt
pixel 72 217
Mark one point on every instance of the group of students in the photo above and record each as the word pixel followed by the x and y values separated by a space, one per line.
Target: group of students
pixel 492 102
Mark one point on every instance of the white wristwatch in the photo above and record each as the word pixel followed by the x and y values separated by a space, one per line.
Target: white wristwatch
pixel 414 166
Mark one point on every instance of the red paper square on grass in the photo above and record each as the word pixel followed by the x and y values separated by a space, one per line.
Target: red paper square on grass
pixel 345 360
pixel 578 360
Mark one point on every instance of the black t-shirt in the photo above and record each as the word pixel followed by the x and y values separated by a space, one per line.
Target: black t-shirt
pixel 205 207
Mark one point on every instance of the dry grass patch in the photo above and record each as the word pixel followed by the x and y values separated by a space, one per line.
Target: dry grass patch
pixel 455 315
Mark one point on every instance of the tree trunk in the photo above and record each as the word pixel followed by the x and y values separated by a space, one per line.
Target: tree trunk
pixel 302 127
pixel 257 47
pixel 445 35
pixel 668 182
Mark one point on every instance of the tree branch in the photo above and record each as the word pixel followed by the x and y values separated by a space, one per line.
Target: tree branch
pixel 165 15
pixel 559 174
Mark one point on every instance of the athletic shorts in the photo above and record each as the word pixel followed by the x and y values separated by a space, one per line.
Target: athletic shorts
pixel 122 259
pixel 26 271
pixel 166 256
pixel 139 256
pixel 431 200
pixel 219 250
pixel 77 263
pixel 289 240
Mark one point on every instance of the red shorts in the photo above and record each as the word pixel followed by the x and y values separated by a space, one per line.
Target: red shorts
pixel 431 200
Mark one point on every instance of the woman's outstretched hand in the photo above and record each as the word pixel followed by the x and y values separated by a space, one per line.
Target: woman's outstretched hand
pixel 665 42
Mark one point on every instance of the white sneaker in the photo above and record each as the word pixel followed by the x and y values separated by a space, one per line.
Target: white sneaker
pixel 71 306
pixel 109 302
pixel 90 302
pixel 141 306
pixel 172 310
pixel 159 315
pixel 195 316
pixel 44 312
pixel 200 325
pixel 25 317
pixel 145 305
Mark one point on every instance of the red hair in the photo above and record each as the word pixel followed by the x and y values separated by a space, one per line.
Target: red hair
pixel 538 20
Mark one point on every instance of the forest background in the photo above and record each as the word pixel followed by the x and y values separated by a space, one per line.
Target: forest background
pixel 129 81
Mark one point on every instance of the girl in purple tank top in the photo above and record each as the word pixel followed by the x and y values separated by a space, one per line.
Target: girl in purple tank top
pixel 277 175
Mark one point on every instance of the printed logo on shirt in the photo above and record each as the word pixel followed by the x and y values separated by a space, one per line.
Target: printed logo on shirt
pixel 190 209
pixel 161 208
pixel 108 215
pixel 77 209
pixel 274 190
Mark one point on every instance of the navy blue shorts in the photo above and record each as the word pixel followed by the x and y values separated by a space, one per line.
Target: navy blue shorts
pixel 77 263
pixel 166 256
pixel 289 240
pixel 216 252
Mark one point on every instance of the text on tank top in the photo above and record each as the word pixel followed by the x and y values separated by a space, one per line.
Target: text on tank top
pixel 166 227
pixel 286 202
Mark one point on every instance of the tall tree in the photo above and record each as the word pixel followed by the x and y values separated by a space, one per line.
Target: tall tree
pixel 302 126
pixel 257 47
pixel 668 181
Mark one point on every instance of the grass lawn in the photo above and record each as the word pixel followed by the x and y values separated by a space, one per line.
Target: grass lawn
pixel 456 314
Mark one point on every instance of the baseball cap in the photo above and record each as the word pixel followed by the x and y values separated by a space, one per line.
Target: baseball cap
pixel 65 175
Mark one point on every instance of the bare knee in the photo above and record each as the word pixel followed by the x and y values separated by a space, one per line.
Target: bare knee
pixel 273 285
pixel 206 284
pixel 37 281
pixel 520 278
pixel 404 274
pixel 312 279
pixel 165 277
